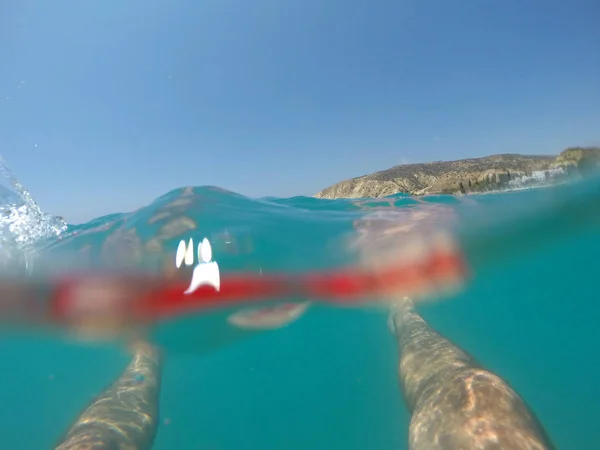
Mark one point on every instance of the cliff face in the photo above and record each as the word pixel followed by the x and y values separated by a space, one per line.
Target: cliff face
pixel 466 175
pixel 585 160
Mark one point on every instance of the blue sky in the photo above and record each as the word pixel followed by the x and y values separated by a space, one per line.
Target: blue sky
pixel 106 105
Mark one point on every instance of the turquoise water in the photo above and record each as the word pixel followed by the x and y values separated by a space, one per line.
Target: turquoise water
pixel 529 312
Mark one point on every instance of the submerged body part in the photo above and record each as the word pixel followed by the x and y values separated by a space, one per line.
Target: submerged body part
pixel 124 416
pixel 454 402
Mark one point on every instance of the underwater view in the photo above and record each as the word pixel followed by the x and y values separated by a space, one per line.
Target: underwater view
pixel 299 224
pixel 326 376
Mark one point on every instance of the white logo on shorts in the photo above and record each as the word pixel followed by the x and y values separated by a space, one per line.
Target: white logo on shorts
pixel 206 273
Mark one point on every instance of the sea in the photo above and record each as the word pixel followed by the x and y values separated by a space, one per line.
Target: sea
pixel 529 310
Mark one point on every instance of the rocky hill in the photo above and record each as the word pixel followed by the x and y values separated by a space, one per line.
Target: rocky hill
pixel 494 172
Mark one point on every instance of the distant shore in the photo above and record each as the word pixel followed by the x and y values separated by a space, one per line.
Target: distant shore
pixel 490 173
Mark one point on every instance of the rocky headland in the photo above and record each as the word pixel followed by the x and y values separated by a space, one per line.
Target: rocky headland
pixel 490 173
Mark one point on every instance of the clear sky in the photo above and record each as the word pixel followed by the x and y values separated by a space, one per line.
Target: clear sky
pixel 106 105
